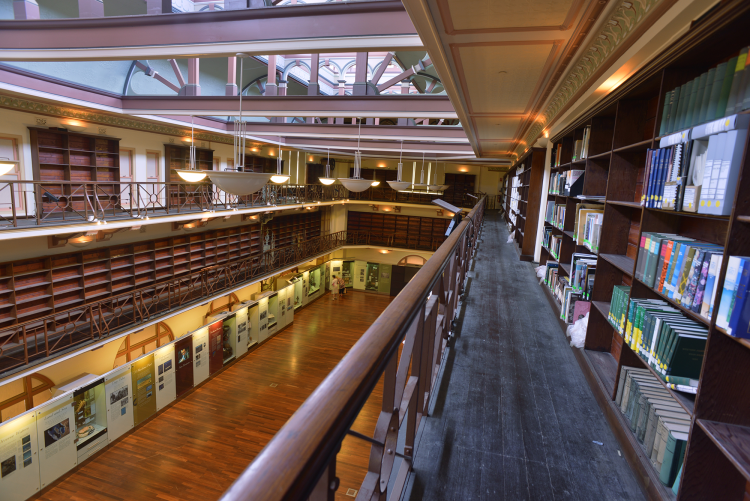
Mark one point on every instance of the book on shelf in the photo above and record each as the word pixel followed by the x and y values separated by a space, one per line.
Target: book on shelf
pixel 582 273
pixel 618 307
pixel 592 230
pixel 550 211
pixel 581 146
pixel 656 419
pixel 583 210
pixel 734 311
pixel 719 92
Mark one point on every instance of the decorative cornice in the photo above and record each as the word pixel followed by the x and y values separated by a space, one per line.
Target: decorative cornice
pixel 14 103
pixel 618 28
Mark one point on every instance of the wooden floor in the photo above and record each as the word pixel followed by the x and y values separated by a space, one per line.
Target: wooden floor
pixel 515 418
pixel 196 448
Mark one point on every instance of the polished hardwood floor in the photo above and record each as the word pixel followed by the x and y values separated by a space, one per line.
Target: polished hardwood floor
pixel 196 448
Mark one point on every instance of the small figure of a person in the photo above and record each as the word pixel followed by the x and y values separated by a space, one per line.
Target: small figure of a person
pixel 335 288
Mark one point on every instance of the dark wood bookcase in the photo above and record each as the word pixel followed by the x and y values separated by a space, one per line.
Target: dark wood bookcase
pixel 59 155
pixel 623 127
pixel 529 170
pixel 458 185
pixel 413 232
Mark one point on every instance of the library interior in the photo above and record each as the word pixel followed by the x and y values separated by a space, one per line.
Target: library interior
pixel 392 250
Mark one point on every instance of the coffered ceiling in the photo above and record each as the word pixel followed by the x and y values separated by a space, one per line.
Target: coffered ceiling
pixel 501 59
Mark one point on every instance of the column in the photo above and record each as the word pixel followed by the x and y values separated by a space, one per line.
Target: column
pixel 243 4
pixel 313 88
pixel 25 9
pixel 193 87
pixel 360 75
pixel 158 7
pixel 231 87
pixel 271 87
pixel 404 90
pixel 90 8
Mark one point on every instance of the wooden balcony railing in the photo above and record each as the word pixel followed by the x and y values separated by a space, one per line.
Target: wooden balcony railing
pixel 27 204
pixel 299 463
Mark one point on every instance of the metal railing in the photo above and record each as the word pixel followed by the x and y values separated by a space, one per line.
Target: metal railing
pixel 299 463
pixel 39 203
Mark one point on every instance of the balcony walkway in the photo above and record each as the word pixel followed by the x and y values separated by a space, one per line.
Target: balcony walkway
pixel 515 418
pixel 196 448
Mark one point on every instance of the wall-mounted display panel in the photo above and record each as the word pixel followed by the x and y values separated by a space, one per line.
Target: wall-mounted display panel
pixel 263 319
pixel 314 279
pixel 273 314
pixel 90 407
pixel 229 339
pixel 298 284
pixel 183 349
pixel 118 397
pixel 144 388
pixel 166 388
pixel 19 458
pixel 215 347
pixel 253 325
pixel 372 282
pixel 241 332
pixel 55 434
pixel 200 356
pixel 384 282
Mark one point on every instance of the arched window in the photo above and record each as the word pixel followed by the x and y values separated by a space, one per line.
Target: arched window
pixel 413 260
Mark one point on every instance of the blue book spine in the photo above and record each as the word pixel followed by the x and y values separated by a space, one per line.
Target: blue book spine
pixel 676 273
pixel 669 154
pixel 739 299
pixel 655 160
pixel 657 179
pixel 647 182
pixel 734 268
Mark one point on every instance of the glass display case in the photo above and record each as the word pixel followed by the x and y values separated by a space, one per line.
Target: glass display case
pixel 315 281
pixel 273 309
pixel 90 411
pixel 346 273
pixel 372 277
pixel 297 282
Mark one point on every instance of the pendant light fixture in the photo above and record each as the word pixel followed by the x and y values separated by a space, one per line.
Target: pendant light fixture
pixel 328 180
pixel 279 177
pixel 375 182
pixel 238 182
pixel 191 174
pixel 356 183
pixel 421 185
pixel 398 184
pixel 433 186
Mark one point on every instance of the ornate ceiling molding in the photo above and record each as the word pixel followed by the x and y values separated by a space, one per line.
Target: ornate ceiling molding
pixel 609 43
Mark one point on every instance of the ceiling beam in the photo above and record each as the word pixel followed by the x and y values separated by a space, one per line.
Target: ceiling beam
pixel 328 27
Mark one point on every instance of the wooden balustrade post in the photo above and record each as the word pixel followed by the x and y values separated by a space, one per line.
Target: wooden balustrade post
pixel 25 346
pixel 325 489
pixel 422 360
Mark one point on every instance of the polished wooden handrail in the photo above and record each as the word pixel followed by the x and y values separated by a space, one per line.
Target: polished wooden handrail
pixel 295 460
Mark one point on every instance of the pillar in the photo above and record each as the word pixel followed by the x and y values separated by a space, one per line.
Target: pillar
pixel 25 9
pixel 243 4
pixel 231 87
pixel 90 8
pixel 313 87
pixel 271 87
pixel 360 75
pixel 404 90
pixel 193 87
pixel 158 6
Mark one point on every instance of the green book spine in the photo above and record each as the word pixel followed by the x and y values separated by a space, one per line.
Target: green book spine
pixel 696 109
pixel 726 87
pixel 707 95
pixel 684 381
pixel 665 113
pixel 715 92
pixel 673 114
pixel 691 103
pixel 676 485
pixel 685 273
pixel 682 105
pixel 744 84
pixel 734 92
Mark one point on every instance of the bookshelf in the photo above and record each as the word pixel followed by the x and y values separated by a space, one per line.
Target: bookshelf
pixel 178 157
pixel 524 187
pixel 458 185
pixel 295 228
pixel 59 155
pixel 624 126
pixel 406 231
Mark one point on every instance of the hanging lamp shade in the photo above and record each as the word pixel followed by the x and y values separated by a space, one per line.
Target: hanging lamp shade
pixel 279 177
pixel 398 184
pixel 239 183
pixel 192 174
pixel 328 180
pixel 356 183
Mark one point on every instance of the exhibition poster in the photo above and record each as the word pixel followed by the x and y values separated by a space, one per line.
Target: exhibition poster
pixel 263 319
pixel 165 376
pixel 200 356
pixel 19 458
pixel 144 388
pixel 183 349
pixel 55 433
pixel 215 346
pixel 230 338
pixel 118 398
pixel 242 330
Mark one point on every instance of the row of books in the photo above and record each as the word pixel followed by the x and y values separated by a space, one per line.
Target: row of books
pixel 669 342
pixel 618 307
pixel 566 183
pixel 657 421
pixel 719 92
pixel 697 170
pixel 681 268
pixel 573 305
pixel 582 273
pixel 581 146
pixel 734 309
pixel 555 214
pixel 515 196
pixel 592 229
pixel 553 243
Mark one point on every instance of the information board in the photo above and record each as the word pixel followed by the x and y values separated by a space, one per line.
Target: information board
pixel 242 331
pixel 166 389
pixel 183 352
pixel 19 458
pixel 200 356
pixel 55 433
pixel 215 347
pixel 144 388
pixel 118 394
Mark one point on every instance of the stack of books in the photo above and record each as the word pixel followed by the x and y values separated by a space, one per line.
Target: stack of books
pixel 592 230
pixel 681 269
pixel 658 422
pixel 618 308
pixel 719 92
pixel 668 341
pixel 556 183
pixel 582 271
pixel 734 309
pixel 581 146
pixel 558 216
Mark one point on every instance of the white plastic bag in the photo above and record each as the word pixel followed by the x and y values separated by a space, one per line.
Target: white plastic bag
pixel 541 271
pixel 510 238
pixel 577 332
